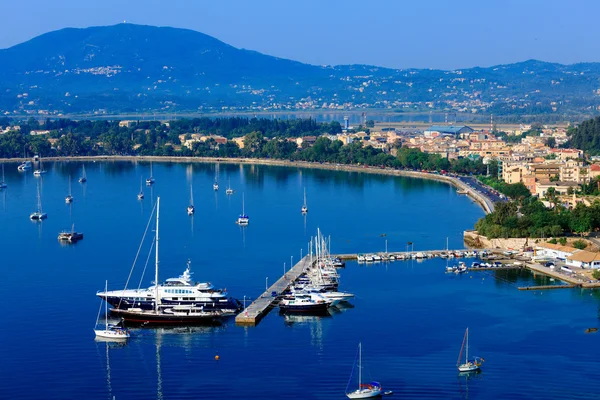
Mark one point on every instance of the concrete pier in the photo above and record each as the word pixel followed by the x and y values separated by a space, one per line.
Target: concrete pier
pixel 260 307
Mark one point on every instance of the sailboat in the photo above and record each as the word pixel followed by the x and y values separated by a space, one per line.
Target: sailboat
pixel 243 219
pixel 40 171
pixel 83 178
pixel 38 215
pixel 150 181
pixel 70 236
pixel 365 390
pixel 109 331
pixel 140 195
pixel 229 189
pixel 191 209
pixel 166 314
pixel 468 365
pixel 304 209
pixel 69 199
pixel 216 184
pixel 2 182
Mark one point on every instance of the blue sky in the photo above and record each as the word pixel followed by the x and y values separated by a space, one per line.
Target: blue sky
pixel 442 34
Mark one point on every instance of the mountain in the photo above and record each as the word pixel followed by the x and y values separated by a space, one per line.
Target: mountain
pixel 135 68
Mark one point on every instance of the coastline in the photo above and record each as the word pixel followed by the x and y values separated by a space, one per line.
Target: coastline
pixel 480 199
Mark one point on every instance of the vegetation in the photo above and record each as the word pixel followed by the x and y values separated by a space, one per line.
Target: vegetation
pixel 263 138
pixel 580 244
pixel 528 217
pixel 514 190
pixel 596 274
pixel 586 136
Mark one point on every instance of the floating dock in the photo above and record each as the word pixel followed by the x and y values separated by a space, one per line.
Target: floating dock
pixel 260 307
pixel 546 287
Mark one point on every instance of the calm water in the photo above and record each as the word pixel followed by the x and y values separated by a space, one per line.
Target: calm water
pixel 410 316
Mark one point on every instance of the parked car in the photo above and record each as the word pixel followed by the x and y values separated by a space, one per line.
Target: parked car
pixel 549 264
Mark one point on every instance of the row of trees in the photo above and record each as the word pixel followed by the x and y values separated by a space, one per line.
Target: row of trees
pixel 586 136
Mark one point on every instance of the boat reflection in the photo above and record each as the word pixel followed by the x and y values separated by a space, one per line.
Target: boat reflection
pixel 463 381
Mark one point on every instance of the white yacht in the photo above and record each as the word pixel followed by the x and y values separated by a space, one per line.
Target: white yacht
pixel 468 365
pixel 364 390
pixel 180 291
pixel 24 166
pixel 113 332
pixel 304 208
pixel 243 219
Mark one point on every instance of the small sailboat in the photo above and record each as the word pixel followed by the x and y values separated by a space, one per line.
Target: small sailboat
pixel 114 332
pixel 40 171
pixel 38 215
pixel 3 184
pixel 150 181
pixel 140 195
pixel 468 365
pixel 83 178
pixel 304 209
pixel 191 209
pixel 69 199
pixel 365 390
pixel 216 184
pixel 243 219
pixel 229 190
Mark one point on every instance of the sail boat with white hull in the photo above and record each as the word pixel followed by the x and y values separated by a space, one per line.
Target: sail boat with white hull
pixel 191 209
pixel 167 314
pixel 69 199
pixel 83 177
pixel 304 209
pixel 468 365
pixel 365 390
pixel 113 332
pixel 41 171
pixel 150 181
pixel 229 190
pixel 140 195
pixel 38 215
pixel 243 219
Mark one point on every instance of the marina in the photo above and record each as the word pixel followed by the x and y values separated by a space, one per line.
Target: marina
pixel 165 362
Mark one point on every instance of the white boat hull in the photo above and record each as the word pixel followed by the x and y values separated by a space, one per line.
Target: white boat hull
pixel 111 334
pixel 470 367
pixel 364 393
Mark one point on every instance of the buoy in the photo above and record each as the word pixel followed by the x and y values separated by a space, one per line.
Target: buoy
pixel 217 357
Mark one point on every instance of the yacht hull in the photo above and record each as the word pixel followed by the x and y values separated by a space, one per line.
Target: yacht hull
pixel 229 306
pixel 150 318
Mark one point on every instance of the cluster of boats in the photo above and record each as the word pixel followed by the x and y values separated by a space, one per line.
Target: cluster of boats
pixel 316 290
pixel 379 257
pixel 461 267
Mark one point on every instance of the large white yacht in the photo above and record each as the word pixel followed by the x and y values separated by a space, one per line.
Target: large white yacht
pixel 175 291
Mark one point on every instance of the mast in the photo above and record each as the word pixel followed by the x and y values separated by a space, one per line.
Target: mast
pixel 467 348
pixel 39 198
pixel 359 365
pixel 157 299
pixel 70 185
pixel 304 197
pixel 243 212
pixel 191 195
pixel 105 306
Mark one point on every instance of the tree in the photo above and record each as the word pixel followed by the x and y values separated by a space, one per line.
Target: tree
pixel 370 123
pixel 580 244
pixel 551 142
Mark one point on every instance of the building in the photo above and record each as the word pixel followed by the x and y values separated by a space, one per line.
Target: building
pixel 126 123
pixel 541 187
pixel 545 171
pixel 574 171
pixel 567 154
pixel 584 259
pixel 554 251
pixel 448 130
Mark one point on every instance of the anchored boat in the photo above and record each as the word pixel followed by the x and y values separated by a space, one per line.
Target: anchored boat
pixel 468 365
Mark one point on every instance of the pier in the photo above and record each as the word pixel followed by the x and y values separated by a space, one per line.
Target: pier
pixel 260 307
pixel 546 287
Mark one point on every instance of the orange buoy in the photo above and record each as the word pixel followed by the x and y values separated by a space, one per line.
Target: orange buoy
pixel 217 357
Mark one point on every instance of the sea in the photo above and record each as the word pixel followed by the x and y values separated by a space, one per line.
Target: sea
pixel 410 316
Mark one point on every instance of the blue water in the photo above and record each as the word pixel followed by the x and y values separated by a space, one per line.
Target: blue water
pixel 409 316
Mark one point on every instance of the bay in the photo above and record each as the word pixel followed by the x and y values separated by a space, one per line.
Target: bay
pixel 409 316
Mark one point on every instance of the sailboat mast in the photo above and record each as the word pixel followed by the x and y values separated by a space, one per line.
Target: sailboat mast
pixel 157 298
pixel 191 195
pixel 359 365
pixel 105 306
pixel 467 348
pixel 243 212
pixel 304 197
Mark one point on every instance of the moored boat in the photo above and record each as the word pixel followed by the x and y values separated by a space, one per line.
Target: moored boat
pixel 70 236
pixel 468 365
pixel 365 390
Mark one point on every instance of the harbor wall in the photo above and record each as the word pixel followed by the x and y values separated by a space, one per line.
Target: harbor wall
pixel 474 239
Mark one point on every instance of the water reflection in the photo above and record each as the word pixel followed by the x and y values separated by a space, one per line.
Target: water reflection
pixel 463 381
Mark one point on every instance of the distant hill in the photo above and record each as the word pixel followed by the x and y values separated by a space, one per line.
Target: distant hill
pixel 134 68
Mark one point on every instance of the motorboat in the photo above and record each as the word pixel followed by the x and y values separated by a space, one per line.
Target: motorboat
pixel 364 390
pixel 25 166
pixel 361 258
pixel 468 365
pixel 303 303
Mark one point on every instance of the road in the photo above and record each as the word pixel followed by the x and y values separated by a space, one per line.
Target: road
pixel 487 191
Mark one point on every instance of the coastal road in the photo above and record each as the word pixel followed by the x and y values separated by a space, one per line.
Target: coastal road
pixel 487 191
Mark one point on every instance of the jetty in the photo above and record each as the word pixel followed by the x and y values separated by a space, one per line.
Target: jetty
pixel 546 287
pixel 260 307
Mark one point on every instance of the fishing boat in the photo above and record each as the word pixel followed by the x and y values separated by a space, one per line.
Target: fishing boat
pixel 83 177
pixel 243 219
pixel 115 332
pixel 191 209
pixel 140 195
pixel 468 365
pixel 150 181
pixel 38 215
pixel 40 171
pixel 70 236
pixel 229 190
pixel 3 184
pixel 166 314
pixel 365 390
pixel 304 208
pixel 69 199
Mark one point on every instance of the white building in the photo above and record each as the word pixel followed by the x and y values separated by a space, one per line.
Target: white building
pixel 554 251
pixel 584 259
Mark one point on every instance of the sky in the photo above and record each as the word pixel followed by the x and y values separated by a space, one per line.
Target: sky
pixel 441 34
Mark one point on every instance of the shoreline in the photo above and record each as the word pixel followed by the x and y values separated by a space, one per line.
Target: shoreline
pixel 480 199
